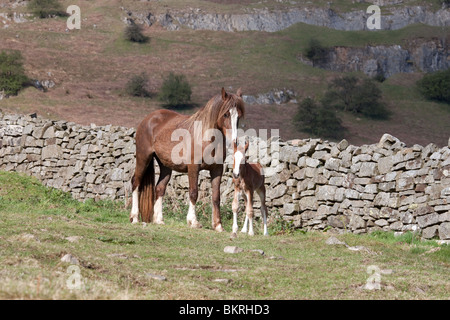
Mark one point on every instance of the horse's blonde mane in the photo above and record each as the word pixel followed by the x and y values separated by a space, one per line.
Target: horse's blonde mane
pixel 214 109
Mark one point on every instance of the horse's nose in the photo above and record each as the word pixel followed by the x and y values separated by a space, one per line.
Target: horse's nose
pixel 235 175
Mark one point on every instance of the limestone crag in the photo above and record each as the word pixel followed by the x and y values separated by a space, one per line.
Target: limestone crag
pixel 272 97
pixel 272 21
pixel 416 56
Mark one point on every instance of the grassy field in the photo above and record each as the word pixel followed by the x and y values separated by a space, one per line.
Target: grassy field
pixel 117 260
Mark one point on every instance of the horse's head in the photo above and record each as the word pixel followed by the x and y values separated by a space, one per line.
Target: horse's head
pixel 238 158
pixel 231 111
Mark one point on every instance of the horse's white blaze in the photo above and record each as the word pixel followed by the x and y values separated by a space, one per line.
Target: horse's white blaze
pixel 157 215
pixel 234 123
pixel 135 207
pixel 238 156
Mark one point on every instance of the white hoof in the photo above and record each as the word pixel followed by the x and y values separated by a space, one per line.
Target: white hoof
pixel 195 224
pixel 134 220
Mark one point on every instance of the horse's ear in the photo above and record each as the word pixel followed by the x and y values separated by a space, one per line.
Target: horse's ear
pixel 239 93
pixel 246 146
pixel 224 94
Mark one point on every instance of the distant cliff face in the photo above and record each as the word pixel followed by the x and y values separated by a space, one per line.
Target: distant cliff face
pixel 418 55
pixel 272 21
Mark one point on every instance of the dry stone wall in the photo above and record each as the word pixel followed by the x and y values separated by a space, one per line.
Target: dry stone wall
pixel 88 161
pixel 315 184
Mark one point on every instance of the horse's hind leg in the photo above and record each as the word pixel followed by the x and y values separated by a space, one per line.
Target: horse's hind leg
pixel 164 177
pixel 142 163
pixel 134 215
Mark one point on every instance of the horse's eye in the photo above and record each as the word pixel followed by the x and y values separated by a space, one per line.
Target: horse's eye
pixel 227 115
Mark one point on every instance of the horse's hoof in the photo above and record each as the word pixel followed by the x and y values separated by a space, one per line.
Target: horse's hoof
pixel 233 235
pixel 195 225
pixel 219 228
pixel 134 220
pixel 159 222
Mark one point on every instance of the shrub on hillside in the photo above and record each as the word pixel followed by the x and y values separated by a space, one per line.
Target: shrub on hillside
pixel 46 8
pixel 136 86
pixel 12 74
pixel 133 33
pixel 315 51
pixel 176 90
pixel 436 86
pixel 358 96
pixel 319 120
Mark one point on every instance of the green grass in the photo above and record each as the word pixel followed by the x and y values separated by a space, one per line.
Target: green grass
pixel 114 256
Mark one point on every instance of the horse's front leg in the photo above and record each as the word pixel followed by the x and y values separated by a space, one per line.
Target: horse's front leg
pixel 216 176
pixel 193 195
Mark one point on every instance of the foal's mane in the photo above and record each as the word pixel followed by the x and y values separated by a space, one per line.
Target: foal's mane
pixel 214 109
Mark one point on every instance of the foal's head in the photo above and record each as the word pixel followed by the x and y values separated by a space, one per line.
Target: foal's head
pixel 238 158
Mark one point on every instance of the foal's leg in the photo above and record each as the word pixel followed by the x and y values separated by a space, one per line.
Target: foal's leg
pixel 235 208
pixel 216 176
pixel 262 196
pixel 191 218
pixel 249 212
pixel 245 226
pixel 164 177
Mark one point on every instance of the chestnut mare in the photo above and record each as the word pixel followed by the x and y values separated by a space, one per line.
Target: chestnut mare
pixel 158 137
pixel 247 178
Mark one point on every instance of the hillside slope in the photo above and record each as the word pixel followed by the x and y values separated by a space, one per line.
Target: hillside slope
pixel 91 66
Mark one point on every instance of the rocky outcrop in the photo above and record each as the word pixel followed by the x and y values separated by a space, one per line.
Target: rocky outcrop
pixel 417 55
pixel 272 21
pixel 315 184
pixel 7 18
pixel 272 97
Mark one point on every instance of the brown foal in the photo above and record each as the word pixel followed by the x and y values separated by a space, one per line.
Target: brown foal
pixel 247 178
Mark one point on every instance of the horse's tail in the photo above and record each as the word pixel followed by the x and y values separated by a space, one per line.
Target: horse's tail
pixel 147 193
